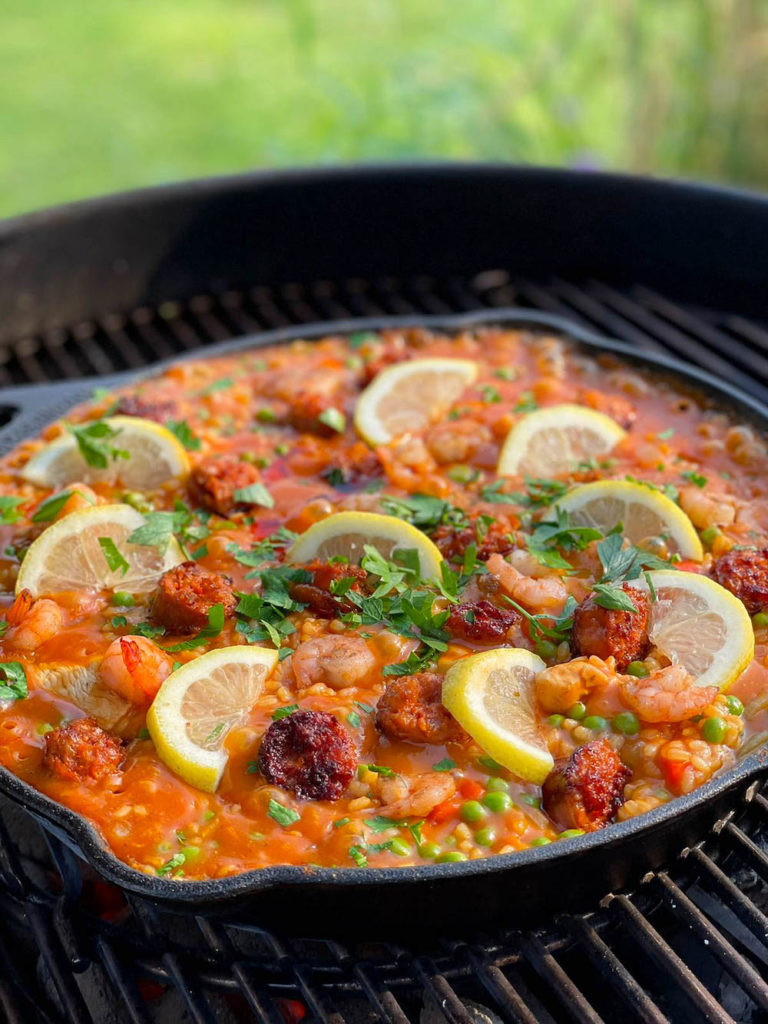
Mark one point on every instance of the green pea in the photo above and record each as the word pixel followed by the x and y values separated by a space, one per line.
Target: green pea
pixel 596 723
pixel 462 474
pixel 541 841
pixel 556 720
pixel 760 619
pixel 571 833
pixel 471 811
pixel 734 705
pixel 400 847
pixel 528 798
pixel 266 415
pixel 137 500
pixel 488 763
pixel 638 669
pixel 485 837
pixel 577 711
pixel 713 729
pixel 44 728
pixel 452 857
pixel 545 649
pixel 710 535
pixel 497 802
pixel 120 597
pixel 497 785
pixel 429 851
pixel 626 723
pixel 282 449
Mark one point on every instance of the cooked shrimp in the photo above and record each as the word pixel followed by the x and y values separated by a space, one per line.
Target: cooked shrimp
pixel 135 668
pixel 32 622
pixel 547 595
pixel 336 661
pixel 415 799
pixel 706 510
pixel 561 686
pixel 668 695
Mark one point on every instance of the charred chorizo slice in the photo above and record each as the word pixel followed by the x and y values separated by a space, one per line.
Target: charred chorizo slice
pixel 213 482
pixel 82 751
pixel 411 709
pixel 309 753
pixel 317 593
pixel 610 632
pixel 454 541
pixel 185 596
pixel 480 622
pixel 158 410
pixel 586 790
pixel 745 573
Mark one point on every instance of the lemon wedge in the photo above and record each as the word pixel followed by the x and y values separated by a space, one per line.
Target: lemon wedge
pixel 554 440
pixel 491 695
pixel 68 555
pixel 154 456
pixel 346 534
pixel 699 624
pixel 644 513
pixel 406 397
pixel 199 703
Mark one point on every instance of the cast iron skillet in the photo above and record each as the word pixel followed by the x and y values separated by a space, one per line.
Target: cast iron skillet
pixel 509 889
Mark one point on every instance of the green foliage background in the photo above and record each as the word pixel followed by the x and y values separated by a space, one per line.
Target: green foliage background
pixel 100 95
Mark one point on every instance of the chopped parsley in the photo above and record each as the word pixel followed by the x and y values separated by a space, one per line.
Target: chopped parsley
pixel 94 441
pixel 354 719
pixel 254 494
pixel 664 435
pixel 357 853
pixel 526 403
pixel 183 433
pixel 48 510
pixel 9 513
pixel 539 492
pixel 548 627
pixel 264 551
pixel 116 562
pixel 490 393
pixel 284 816
pixel 380 769
pixel 156 530
pixel 550 537
pixel 13 681
pixel 446 765
pixel 209 632
pixel 424 511
pixel 694 477
pixel 172 865
pixel 333 418
pixel 284 712
pixel 382 824
pixel 218 385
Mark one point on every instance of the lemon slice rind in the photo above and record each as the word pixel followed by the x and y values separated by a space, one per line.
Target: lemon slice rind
pixel 491 695
pixel 67 555
pixel 405 397
pixel 346 533
pixel 155 456
pixel 699 624
pixel 552 441
pixel 188 726
pixel 644 513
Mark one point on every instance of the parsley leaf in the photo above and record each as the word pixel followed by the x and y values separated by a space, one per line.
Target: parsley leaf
pixel 545 626
pixel 156 530
pixel 172 865
pixel 694 477
pixel 279 713
pixel 14 681
pixel 357 853
pixel 183 433
pixel 284 816
pixel 539 492
pixel 48 510
pixel 446 765
pixel 9 509
pixel 94 442
pixel 381 824
pixel 214 627
pixel 609 595
pixel 254 494
pixel 116 562
pixel 424 511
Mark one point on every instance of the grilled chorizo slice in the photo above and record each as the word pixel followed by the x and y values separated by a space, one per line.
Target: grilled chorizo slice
pixel 610 632
pixel 81 751
pixel 317 593
pixel 411 709
pixel 453 541
pixel 745 573
pixel 586 790
pixel 185 596
pixel 309 753
pixel 305 411
pixel 159 410
pixel 213 482
pixel 480 622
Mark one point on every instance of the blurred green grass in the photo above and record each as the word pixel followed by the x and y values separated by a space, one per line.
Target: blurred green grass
pixel 96 97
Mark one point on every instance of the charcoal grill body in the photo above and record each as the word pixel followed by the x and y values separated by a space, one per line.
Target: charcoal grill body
pixel 110 285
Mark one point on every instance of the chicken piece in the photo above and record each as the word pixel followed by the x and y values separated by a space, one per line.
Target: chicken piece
pixel 586 790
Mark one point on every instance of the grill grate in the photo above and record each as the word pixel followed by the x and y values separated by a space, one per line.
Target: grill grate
pixel 691 944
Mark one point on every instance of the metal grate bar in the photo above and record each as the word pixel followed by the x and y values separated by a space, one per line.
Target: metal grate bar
pixel 674 969
pixel 747 849
pixel 545 965
pixel 439 992
pixel 604 318
pixel 750 915
pixel 123 983
pixel 694 919
pixel 615 973
pixel 56 964
pixel 542 298
pixel 500 988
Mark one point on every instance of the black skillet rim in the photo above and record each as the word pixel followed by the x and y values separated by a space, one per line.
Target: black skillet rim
pixel 80 835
